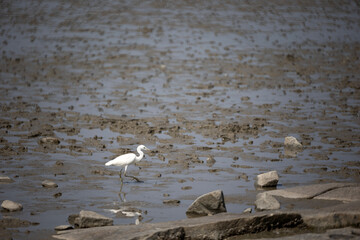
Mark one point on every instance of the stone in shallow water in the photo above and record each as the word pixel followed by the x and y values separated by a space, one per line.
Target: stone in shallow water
pixel 292 142
pixel 269 179
pixel 49 184
pixel 5 179
pixel 11 206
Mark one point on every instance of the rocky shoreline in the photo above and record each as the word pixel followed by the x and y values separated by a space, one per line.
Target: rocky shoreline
pixel 345 213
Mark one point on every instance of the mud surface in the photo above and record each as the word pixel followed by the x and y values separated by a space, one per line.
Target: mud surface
pixel 211 87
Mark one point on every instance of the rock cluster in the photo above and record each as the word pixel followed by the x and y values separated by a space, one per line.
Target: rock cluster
pixel 5 179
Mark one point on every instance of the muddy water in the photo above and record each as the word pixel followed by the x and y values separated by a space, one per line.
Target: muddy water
pixel 188 80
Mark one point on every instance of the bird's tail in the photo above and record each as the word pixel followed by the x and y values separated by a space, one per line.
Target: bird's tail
pixel 108 163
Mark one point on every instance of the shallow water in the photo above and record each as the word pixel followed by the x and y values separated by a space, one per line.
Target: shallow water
pixel 189 80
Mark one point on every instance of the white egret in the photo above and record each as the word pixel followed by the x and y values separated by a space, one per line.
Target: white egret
pixel 127 159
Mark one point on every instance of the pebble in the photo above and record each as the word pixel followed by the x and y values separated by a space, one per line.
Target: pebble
pixel 63 227
pixel 5 179
pixel 51 140
pixel 56 195
pixel 171 201
pixel 210 161
pixel 49 184
pixel 247 210
pixel 11 206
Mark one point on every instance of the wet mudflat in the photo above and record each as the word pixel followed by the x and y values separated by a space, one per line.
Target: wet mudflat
pixel 212 88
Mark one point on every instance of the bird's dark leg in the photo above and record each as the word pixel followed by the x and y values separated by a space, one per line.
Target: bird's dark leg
pixel 133 177
pixel 121 193
pixel 121 179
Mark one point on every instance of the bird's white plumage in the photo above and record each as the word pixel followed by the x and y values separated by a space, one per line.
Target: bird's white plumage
pixel 122 160
pixel 127 159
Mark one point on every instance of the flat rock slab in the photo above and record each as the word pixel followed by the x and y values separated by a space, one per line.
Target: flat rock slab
pixel 346 194
pixel 63 227
pixel 311 191
pixel 212 227
pixel 224 225
pixel 342 233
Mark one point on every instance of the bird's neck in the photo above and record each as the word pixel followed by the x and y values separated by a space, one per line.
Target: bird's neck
pixel 141 155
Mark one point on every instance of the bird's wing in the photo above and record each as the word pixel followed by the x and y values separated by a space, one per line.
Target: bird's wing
pixel 122 160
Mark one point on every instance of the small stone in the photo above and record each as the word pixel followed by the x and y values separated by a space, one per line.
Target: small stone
pixel 171 201
pixel 210 161
pixel 59 163
pixel 49 184
pixel 269 179
pixel 208 204
pixel 292 142
pixel 247 210
pixel 5 179
pixel 50 140
pixel 56 195
pixel 11 206
pixel 63 227
pixel 265 201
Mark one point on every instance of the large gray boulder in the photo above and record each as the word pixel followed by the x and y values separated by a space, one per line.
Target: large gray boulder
pixel 265 201
pixel 88 219
pixel 11 206
pixel 208 204
pixel 268 179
